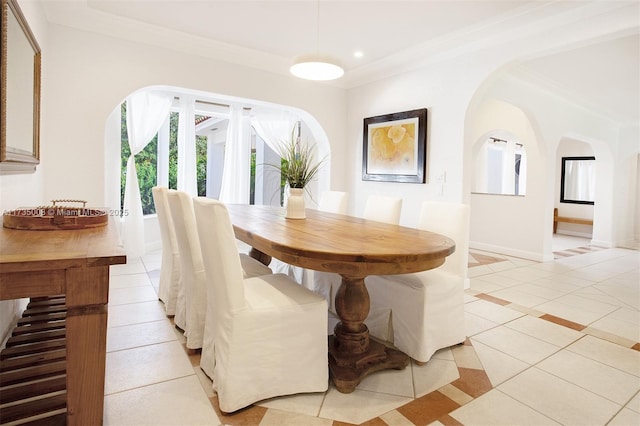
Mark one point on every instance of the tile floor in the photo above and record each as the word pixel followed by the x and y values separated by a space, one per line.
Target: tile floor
pixel 548 343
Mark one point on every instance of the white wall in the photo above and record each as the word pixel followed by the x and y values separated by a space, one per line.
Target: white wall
pixel 91 74
pixel 25 190
pixel 445 90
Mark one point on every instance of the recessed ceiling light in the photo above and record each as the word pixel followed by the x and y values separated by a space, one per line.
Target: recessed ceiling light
pixel 358 54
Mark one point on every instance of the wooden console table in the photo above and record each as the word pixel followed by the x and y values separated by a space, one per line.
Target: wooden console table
pixel 73 263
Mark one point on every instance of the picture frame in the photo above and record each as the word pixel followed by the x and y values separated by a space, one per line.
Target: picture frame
pixel 394 147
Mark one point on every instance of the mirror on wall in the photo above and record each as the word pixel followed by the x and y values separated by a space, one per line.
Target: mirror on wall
pixel 578 179
pixel 501 167
pixel 20 81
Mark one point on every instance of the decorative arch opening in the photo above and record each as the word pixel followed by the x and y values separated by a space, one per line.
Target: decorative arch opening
pixel 202 143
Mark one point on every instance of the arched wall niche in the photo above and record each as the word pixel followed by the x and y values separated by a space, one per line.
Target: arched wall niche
pixel 499 164
pixel 507 224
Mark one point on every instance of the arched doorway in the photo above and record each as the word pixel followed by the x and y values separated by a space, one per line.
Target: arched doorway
pixel 206 117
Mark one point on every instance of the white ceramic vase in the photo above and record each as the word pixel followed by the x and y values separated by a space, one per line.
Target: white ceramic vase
pixel 295 204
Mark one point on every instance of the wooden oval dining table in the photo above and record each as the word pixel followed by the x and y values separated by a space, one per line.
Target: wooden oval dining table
pixel 354 248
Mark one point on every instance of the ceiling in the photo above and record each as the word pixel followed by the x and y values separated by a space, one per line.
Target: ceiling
pixel 598 71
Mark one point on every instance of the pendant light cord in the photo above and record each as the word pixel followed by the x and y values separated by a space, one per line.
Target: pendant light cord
pixel 318 27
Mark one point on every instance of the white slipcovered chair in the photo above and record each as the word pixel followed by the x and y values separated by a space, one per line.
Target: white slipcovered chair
pixel 427 308
pixel 265 336
pixel 170 268
pixel 333 202
pixel 383 209
pixel 194 281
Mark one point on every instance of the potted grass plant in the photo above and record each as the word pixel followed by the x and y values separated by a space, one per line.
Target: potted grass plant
pixel 298 167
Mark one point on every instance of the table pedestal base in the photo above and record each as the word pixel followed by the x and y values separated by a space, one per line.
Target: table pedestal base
pixel 348 370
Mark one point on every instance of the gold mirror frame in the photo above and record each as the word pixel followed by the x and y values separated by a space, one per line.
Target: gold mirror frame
pixel 13 158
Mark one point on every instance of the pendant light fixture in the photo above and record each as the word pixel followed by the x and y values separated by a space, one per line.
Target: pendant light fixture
pixel 316 67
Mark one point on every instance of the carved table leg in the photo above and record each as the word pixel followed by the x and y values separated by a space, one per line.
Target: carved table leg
pixel 352 355
pixel 263 258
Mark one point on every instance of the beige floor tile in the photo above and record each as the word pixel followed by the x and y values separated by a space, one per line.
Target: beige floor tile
pixel 544 330
pixel 444 354
pixel 133 368
pixel 135 313
pixel 468 297
pixel 497 409
pixel 491 311
pixel 466 357
pixel 474 324
pixel 544 292
pixel 624 359
pixel 477 271
pixel 558 399
pixel 307 404
pixel 501 280
pixel 634 404
pixel 568 312
pixel 392 382
pixel 133 266
pixel 626 314
pixel 625 417
pixel 131 336
pixel 129 280
pixel 602 380
pixel 498 366
pixel 626 329
pixel 455 394
pixel 518 345
pixel 274 417
pixel 359 406
pixel 396 419
pixel 554 285
pixel 175 402
pixel 514 295
pixel 586 304
pixel 501 266
pixel 554 267
pixel 433 375
pixel 483 286
pixel 610 337
pixel 570 278
pixel 122 296
pixel 205 382
pixel 594 292
pixel 527 311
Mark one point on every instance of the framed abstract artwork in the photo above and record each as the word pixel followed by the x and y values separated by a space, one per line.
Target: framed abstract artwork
pixel 395 146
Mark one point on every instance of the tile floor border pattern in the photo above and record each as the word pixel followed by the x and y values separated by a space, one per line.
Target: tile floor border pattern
pixel 432 407
pixel 561 254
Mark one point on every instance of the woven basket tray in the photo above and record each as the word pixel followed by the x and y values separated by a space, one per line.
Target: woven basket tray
pixel 55 217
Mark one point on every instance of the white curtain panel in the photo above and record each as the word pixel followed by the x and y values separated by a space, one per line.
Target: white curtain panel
pixel 274 127
pixel 237 159
pixel 146 111
pixel 187 176
pixel 162 178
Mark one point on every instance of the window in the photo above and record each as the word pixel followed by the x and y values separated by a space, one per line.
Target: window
pixel 147 161
pixel 501 168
